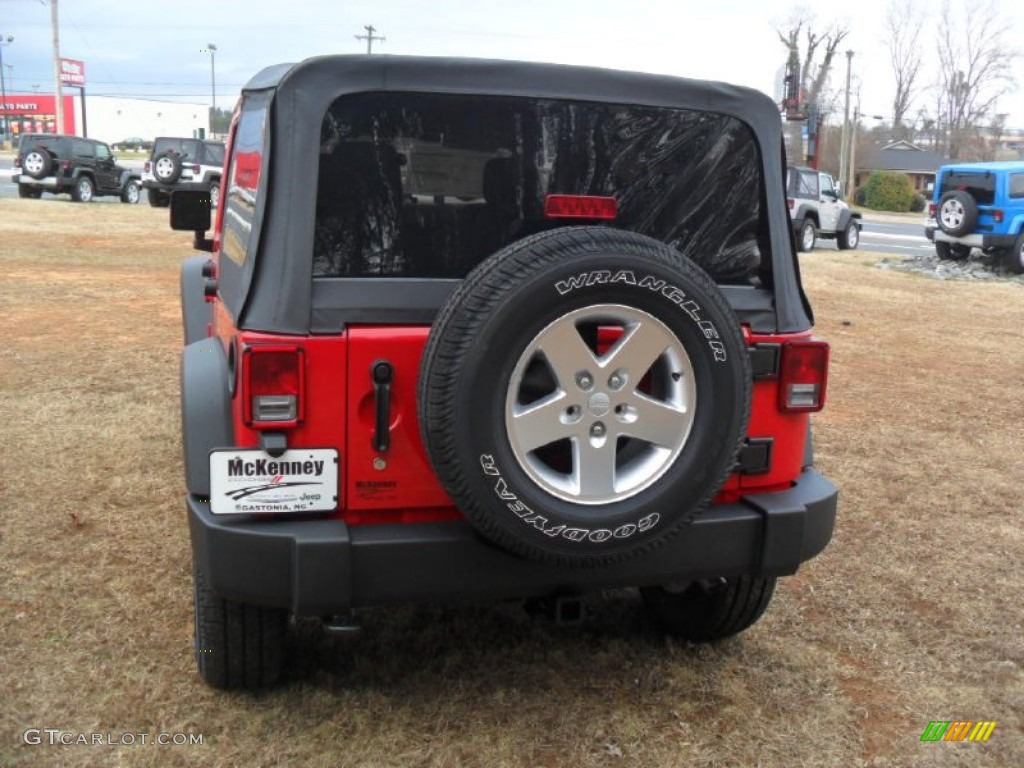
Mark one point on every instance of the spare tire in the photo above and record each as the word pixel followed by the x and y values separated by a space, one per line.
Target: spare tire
pixel 583 395
pixel 37 163
pixel 957 213
pixel 167 167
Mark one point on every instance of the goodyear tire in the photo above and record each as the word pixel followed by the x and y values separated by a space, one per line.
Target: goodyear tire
pixel 583 395
pixel 957 213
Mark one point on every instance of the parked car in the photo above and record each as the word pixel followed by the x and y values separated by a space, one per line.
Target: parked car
pixel 564 349
pixel 817 210
pixel 177 164
pixel 60 164
pixel 979 205
pixel 135 144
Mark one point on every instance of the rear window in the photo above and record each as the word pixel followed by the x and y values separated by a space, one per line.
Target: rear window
pixel 213 154
pixel 802 183
pixel 428 185
pixel 187 148
pixel 979 185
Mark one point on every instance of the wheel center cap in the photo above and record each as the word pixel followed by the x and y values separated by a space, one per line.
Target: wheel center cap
pixel 599 404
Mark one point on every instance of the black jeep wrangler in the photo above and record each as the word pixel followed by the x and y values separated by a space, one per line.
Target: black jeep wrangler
pixel 483 329
pixel 60 164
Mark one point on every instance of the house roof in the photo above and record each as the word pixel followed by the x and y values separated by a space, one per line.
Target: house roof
pixel 902 156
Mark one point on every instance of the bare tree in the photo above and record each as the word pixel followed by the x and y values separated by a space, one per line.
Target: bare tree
pixel 903 22
pixel 815 69
pixel 975 69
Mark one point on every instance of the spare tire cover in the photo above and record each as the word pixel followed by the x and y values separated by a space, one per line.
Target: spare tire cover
pixel 583 395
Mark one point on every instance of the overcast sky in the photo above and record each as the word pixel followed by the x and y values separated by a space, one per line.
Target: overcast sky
pixel 155 49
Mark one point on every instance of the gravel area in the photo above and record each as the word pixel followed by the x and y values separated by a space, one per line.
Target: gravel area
pixel 980 266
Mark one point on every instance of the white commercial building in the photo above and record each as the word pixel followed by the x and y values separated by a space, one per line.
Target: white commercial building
pixel 110 118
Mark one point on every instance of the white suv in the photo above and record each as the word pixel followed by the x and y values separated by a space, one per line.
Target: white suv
pixel 183 164
pixel 817 210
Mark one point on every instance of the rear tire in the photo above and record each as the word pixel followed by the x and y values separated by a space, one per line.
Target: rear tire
pixel 705 611
pixel 237 645
pixel 808 236
pixel 158 199
pixel 1013 258
pixel 952 251
pixel 83 190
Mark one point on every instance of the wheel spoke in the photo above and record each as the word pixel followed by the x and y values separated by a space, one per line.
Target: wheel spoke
pixel 656 422
pixel 594 467
pixel 539 424
pixel 637 349
pixel 566 352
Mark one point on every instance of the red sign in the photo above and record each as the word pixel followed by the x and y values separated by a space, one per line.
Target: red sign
pixel 36 113
pixel 72 72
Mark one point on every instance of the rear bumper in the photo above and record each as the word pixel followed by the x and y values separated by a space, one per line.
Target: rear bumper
pixel 976 240
pixel 49 183
pixel 323 567
pixel 178 186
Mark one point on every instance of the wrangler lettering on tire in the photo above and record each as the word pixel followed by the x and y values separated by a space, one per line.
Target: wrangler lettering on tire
pixel 600 421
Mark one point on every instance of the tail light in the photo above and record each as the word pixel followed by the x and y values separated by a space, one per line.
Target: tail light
pixel 803 373
pixel 791 202
pixel 145 167
pixel 580 207
pixel 997 216
pixel 191 167
pixel 931 210
pixel 274 376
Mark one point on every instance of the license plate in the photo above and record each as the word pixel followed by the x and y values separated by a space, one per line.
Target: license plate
pixel 246 482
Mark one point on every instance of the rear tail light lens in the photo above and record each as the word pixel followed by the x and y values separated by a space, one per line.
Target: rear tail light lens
pixel 192 167
pixel 931 210
pixel 997 216
pixel 803 374
pixel 791 202
pixel 145 167
pixel 274 377
pixel 580 207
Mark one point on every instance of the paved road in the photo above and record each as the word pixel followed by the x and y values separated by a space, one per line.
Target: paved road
pixel 903 238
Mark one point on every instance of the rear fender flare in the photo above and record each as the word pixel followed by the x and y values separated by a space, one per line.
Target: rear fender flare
pixel 205 410
pixel 196 311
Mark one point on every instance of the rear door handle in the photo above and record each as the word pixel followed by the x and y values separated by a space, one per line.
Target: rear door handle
pixel 382 373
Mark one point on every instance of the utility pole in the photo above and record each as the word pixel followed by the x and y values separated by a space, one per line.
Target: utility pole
pixel 369 37
pixel 58 96
pixel 3 88
pixel 844 150
pixel 852 168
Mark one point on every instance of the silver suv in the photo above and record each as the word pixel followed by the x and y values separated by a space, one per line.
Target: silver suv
pixel 817 210
pixel 177 164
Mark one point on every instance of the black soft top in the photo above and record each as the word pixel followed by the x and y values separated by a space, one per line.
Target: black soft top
pixel 281 299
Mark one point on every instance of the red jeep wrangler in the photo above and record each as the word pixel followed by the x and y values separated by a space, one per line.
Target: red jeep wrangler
pixel 482 329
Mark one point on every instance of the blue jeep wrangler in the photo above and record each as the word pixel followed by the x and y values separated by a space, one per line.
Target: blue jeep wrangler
pixel 979 205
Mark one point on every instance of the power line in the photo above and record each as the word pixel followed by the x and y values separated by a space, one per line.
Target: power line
pixel 369 37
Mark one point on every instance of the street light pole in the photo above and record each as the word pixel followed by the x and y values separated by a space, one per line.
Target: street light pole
pixel 3 88
pixel 213 84
pixel 844 150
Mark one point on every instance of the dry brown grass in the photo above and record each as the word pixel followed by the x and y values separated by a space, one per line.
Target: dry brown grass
pixel 914 613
